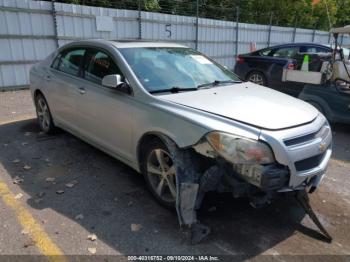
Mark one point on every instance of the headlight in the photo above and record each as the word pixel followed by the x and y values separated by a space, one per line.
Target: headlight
pixel 240 150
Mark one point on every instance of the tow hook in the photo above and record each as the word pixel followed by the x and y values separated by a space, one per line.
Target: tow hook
pixel 303 199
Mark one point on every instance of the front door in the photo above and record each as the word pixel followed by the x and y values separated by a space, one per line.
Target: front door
pixel 104 115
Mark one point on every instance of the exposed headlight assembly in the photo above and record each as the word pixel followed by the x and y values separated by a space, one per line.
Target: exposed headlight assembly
pixel 240 150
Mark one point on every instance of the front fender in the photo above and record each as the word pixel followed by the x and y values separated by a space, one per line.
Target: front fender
pixel 184 126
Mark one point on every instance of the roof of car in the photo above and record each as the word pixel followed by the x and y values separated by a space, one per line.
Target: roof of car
pixel 341 30
pixel 130 43
pixel 142 43
pixel 296 44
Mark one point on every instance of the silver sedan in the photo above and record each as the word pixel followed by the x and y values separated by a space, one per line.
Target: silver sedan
pixel 186 123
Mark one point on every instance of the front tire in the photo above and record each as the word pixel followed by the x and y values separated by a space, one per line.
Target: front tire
pixel 160 173
pixel 44 115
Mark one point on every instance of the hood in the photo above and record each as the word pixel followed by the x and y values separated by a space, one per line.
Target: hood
pixel 248 103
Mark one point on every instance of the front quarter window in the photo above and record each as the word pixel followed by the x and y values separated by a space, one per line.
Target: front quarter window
pixel 163 68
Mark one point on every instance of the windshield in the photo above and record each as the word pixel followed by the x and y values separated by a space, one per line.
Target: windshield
pixel 168 68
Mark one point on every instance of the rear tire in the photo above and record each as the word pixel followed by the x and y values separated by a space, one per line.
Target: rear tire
pixel 44 115
pixel 257 77
pixel 159 171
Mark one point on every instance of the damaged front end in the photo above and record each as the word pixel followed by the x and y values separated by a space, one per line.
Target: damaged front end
pixel 246 167
pixel 226 163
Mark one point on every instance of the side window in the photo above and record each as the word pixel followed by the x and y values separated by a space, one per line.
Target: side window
pixel 323 50
pixel 265 52
pixel 70 61
pixel 308 49
pixel 314 49
pixel 99 64
pixel 286 52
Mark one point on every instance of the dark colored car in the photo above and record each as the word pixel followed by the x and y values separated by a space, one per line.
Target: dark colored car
pixel 330 99
pixel 265 66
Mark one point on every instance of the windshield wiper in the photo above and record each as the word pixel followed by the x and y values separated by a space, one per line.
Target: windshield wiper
pixel 219 82
pixel 174 89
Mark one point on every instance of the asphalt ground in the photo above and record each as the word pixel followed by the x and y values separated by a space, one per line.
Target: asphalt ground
pixel 61 196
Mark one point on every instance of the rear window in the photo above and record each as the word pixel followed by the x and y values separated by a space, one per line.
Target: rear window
pixel 314 49
pixel 286 52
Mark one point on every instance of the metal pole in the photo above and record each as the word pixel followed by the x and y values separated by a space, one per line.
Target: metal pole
pixel 54 17
pixel 329 19
pixel 313 35
pixel 139 19
pixel 342 39
pixel 295 28
pixel 314 32
pixel 237 29
pixel 197 24
pixel 269 32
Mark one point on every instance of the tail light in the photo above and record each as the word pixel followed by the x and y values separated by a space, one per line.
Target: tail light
pixel 240 59
pixel 291 66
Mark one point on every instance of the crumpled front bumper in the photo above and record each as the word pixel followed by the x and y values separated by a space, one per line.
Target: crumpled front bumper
pixel 305 150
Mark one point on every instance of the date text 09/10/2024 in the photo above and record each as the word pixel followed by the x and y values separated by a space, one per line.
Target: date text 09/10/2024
pixel 173 258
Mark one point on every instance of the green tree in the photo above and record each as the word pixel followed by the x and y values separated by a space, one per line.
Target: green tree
pixel 151 5
pixel 301 13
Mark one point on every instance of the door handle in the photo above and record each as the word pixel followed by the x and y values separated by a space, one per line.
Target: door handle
pixel 82 90
pixel 48 78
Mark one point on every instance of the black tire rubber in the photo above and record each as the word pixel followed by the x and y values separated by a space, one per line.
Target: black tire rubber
pixel 52 129
pixel 147 149
pixel 260 74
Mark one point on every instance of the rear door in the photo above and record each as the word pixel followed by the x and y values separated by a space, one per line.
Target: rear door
pixel 64 85
pixel 286 53
pixel 265 62
pixel 104 115
pixel 256 61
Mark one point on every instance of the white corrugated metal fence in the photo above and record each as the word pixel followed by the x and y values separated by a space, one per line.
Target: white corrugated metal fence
pixel 30 30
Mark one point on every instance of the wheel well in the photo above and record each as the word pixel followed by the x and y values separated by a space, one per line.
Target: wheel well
pixel 144 141
pixel 38 92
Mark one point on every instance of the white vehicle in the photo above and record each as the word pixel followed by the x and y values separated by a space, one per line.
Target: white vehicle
pixel 184 121
pixel 346 51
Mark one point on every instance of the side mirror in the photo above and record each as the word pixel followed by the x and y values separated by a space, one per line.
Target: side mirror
pixel 112 81
pixel 115 82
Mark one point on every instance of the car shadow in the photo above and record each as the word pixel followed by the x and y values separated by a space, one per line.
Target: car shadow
pixel 111 196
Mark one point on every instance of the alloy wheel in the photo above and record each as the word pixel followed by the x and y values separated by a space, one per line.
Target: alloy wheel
pixel 161 174
pixel 257 79
pixel 43 114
